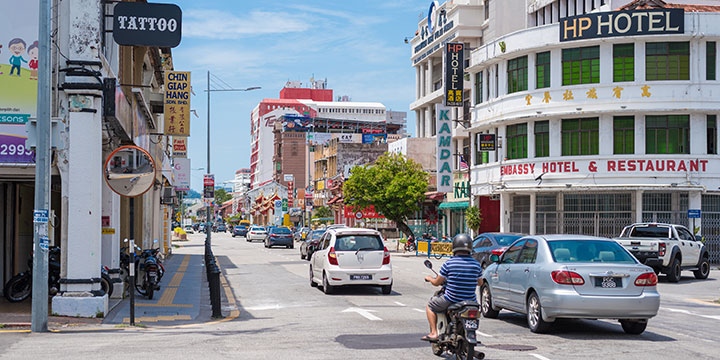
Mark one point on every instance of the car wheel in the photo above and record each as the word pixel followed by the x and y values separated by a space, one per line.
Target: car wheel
pixel 674 271
pixel 327 288
pixel 302 257
pixel 386 289
pixel 486 306
pixel 534 315
pixel 703 270
pixel 633 327
pixel 312 282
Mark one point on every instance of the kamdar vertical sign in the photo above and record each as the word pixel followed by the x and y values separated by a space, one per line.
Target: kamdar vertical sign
pixel 444 149
pixel 177 103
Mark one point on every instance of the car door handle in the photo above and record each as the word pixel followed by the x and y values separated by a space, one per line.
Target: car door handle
pixel 507 270
pixel 527 270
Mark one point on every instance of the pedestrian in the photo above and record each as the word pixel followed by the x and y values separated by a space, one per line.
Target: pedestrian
pixel 17 47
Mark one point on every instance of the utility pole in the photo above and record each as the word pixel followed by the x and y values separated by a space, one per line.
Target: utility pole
pixel 208 217
pixel 41 238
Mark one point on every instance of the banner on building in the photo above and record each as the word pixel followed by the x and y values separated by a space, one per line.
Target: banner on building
pixel 367 213
pixel 181 169
pixel 315 138
pixel 179 146
pixel 622 23
pixel 18 77
pixel 443 129
pixel 177 103
pixel 454 74
pixel 374 138
pixel 293 122
pixel 209 186
pixel 345 138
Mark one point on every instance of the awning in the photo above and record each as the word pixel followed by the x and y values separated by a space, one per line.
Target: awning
pixel 335 199
pixel 454 205
pixel 434 195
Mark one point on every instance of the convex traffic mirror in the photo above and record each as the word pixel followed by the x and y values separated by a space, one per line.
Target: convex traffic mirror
pixel 130 171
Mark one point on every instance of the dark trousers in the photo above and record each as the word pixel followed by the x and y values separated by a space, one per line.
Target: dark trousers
pixel 13 69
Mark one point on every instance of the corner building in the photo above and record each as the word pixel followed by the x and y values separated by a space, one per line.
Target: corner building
pixel 597 133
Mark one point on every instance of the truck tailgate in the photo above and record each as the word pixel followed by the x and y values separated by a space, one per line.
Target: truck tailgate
pixel 639 244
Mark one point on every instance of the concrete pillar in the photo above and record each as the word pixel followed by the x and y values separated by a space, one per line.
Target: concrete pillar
pixel 556 137
pixel 639 64
pixel 428 121
pixel 111 242
pixel 698 138
pixel 606 63
pixel 533 211
pixel 695 202
pixel 556 68
pixel 605 130
pixel 418 121
pixel 421 67
pixel 532 73
pixel 504 212
pixel 640 134
pixel 638 205
pixel 531 139
pixel 417 82
pixel 430 76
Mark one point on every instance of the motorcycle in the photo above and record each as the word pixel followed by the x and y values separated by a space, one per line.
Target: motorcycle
pixel 19 287
pixel 105 281
pixel 456 328
pixel 150 272
pixel 410 244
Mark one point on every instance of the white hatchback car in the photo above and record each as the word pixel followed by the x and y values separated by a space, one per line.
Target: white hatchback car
pixel 351 256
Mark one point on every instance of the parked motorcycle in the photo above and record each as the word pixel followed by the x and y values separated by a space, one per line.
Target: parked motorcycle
pixel 19 287
pixel 105 281
pixel 456 328
pixel 149 272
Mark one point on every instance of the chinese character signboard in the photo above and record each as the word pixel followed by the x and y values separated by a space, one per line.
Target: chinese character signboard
pixel 209 186
pixel 622 23
pixel 454 74
pixel 179 146
pixel 291 191
pixel 486 142
pixel 444 149
pixel 18 82
pixel 177 103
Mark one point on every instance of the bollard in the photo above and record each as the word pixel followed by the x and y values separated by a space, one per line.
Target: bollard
pixel 214 283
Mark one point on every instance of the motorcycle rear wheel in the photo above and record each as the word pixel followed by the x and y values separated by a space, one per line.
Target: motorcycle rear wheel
pixel 18 288
pixel 150 292
pixel 465 351
pixel 106 285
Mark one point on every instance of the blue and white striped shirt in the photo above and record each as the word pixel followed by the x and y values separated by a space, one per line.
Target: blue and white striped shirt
pixel 462 273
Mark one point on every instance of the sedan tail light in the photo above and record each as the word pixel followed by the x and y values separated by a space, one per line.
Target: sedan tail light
pixel 273 235
pixel 646 279
pixel 565 277
pixel 332 258
pixel 499 251
pixel 386 256
pixel 661 249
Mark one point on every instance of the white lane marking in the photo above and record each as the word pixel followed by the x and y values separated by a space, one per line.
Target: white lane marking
pixel 399 303
pixel 364 312
pixel 419 310
pixel 540 357
pixel 714 317
pixel 483 334
pixel 264 307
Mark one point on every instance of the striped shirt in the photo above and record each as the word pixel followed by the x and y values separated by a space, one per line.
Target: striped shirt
pixel 462 273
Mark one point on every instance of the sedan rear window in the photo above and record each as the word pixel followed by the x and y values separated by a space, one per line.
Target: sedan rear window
pixel 358 242
pixel 506 240
pixel 281 231
pixel 651 232
pixel 589 251
pixel 257 229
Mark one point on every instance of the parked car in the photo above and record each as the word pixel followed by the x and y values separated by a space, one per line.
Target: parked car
pixel 496 243
pixel 256 233
pixel 351 256
pixel 195 226
pixel 189 229
pixel 667 248
pixel 310 243
pixel 221 228
pixel 201 227
pixel 570 276
pixel 239 230
pixel 279 236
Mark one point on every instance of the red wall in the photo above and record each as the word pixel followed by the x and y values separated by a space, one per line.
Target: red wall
pixel 307 94
pixel 490 213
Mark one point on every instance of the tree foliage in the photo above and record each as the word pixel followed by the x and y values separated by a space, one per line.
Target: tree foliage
pixel 221 196
pixel 322 212
pixel 394 185
pixel 473 218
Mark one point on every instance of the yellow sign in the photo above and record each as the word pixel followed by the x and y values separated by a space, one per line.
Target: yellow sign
pixel 108 231
pixel 444 248
pixel 177 103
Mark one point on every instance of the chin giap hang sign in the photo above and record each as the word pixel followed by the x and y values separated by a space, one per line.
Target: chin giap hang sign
pixel 444 149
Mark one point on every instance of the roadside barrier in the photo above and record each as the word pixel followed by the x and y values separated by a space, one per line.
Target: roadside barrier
pixel 435 248
pixel 213 278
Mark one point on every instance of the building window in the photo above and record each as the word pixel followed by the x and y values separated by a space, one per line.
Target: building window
pixel 581 65
pixel 580 136
pixel 481 157
pixel 667 61
pixel 624 134
pixel 479 87
pixel 486 6
pixel 497 83
pixel 712 134
pixel 542 70
pixel 517 141
pixel 711 59
pixel 623 62
pixel 667 134
pixel 542 138
pixel 517 74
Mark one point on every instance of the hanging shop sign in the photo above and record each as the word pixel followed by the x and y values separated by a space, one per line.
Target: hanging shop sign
pixel 181 170
pixel 147 24
pixel 179 147
pixel 444 148
pixel 486 142
pixel 454 74
pixel 374 138
pixel 622 23
pixel 291 193
pixel 177 103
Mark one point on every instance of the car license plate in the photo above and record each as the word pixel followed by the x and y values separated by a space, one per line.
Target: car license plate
pixel 608 282
pixel 360 277
pixel 152 273
pixel 471 324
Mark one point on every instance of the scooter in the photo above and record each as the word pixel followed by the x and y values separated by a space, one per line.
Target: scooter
pixel 410 244
pixel 456 328
pixel 149 272
pixel 19 287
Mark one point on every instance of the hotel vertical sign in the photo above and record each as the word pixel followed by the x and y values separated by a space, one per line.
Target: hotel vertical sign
pixel 444 149
pixel 454 74
pixel 622 23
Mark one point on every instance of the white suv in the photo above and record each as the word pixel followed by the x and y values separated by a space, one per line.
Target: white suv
pixel 351 256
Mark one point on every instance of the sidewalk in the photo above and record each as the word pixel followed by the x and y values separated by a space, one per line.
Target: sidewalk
pixel 17 316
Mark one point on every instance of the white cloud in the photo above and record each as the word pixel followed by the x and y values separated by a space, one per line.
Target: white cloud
pixel 215 24
pixel 350 17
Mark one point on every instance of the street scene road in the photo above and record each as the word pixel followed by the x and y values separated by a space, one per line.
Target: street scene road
pixel 280 316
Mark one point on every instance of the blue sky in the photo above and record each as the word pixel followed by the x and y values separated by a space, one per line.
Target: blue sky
pixel 357 45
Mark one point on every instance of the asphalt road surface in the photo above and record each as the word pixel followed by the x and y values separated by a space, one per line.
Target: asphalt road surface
pixel 282 317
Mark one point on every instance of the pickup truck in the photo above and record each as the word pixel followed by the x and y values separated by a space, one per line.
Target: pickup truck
pixel 667 248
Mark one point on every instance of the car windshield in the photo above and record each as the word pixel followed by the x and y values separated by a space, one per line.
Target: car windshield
pixel 650 231
pixel 506 240
pixel 281 231
pixel 239 227
pixel 358 242
pixel 589 251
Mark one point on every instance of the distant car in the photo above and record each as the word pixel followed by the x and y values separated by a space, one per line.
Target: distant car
pixel 189 229
pixel 279 236
pixel 256 233
pixel 487 244
pixel 351 256
pixel 310 243
pixel 195 226
pixel 201 227
pixel 570 276
pixel 221 228
pixel 239 231
pixel 301 233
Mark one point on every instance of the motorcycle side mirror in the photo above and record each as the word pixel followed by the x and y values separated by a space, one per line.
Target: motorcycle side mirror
pixel 494 258
pixel 428 264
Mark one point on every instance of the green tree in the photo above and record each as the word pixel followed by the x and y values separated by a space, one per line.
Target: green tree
pixel 322 212
pixel 394 185
pixel 221 196
pixel 473 218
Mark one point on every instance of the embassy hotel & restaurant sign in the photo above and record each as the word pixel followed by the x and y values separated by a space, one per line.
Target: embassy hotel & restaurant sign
pixel 622 23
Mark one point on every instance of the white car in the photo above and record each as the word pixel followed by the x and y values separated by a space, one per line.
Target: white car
pixel 256 233
pixel 351 256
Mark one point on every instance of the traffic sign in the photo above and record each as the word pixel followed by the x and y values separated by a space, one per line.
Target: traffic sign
pixel 284 205
pixel 694 213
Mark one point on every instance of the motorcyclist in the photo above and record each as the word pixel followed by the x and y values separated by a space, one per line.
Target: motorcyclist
pixel 461 274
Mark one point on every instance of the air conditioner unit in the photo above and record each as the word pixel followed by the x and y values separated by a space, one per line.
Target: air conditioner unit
pixel 167 196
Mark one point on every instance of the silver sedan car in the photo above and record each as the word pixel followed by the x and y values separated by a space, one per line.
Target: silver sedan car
pixel 570 276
